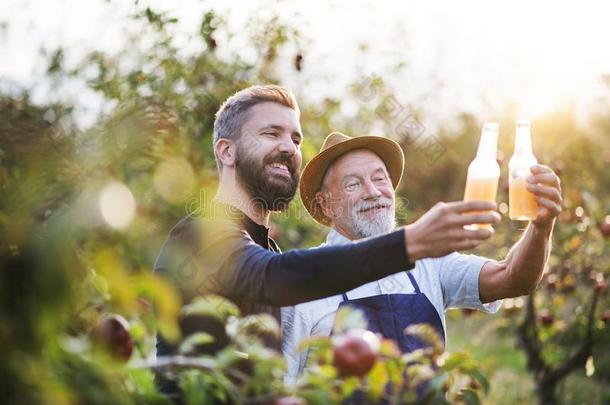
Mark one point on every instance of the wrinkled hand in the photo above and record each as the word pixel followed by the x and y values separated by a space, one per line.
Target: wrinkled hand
pixel 546 187
pixel 440 231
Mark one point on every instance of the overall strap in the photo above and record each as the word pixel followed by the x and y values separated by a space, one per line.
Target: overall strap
pixel 344 297
pixel 415 286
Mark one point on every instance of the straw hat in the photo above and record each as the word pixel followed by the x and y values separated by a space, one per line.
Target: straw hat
pixel 335 145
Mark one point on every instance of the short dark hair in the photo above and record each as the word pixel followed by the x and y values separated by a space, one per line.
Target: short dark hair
pixel 234 111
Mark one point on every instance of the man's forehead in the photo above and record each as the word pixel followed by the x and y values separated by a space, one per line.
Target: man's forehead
pixel 357 161
pixel 270 114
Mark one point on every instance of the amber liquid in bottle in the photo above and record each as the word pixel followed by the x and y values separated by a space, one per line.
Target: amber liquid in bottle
pixel 484 172
pixel 522 204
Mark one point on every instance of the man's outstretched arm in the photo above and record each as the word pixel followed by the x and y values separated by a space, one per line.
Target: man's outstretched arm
pixel 263 277
pixel 520 272
pixel 232 265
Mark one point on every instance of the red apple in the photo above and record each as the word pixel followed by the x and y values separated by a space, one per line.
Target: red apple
pixel 605 316
pixel 112 335
pixel 355 353
pixel 546 318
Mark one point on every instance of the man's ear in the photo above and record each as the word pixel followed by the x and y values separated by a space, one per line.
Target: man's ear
pixel 225 151
pixel 323 200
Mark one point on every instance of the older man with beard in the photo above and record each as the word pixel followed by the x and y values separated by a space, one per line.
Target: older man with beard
pixel 349 186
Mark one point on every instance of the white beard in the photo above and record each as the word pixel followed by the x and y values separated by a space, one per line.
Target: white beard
pixel 381 222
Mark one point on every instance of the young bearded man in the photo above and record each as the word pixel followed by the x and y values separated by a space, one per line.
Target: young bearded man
pixel 349 186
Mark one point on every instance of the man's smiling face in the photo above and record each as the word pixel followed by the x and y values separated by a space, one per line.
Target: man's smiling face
pixel 358 195
pixel 268 160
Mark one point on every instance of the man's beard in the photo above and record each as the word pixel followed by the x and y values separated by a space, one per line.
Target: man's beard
pixel 376 224
pixel 272 192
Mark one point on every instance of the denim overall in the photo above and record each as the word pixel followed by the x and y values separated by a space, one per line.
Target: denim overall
pixel 390 314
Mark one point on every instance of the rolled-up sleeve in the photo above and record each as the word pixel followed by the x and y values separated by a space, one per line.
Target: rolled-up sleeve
pixel 459 279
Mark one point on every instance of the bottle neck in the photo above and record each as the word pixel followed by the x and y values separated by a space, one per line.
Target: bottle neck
pixel 488 145
pixel 523 142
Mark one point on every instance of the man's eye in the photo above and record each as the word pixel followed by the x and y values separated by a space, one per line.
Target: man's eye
pixel 379 179
pixel 351 186
pixel 296 141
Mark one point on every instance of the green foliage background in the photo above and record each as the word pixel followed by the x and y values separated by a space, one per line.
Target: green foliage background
pixel 62 267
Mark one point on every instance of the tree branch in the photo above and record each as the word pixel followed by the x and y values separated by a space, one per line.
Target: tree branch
pixel 173 362
pixel 579 358
pixel 528 334
pixel 179 362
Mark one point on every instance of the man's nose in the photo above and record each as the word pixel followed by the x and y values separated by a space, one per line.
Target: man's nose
pixel 370 190
pixel 287 145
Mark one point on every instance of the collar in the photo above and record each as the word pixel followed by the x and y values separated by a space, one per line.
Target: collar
pixel 335 238
pixel 258 233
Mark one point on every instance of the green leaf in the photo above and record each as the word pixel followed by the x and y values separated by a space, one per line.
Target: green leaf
pixel 315 342
pixel 416 356
pixel 317 395
pixel 482 380
pixel 470 397
pixel 255 325
pixel 459 360
pixel 428 335
pixel 349 318
pixel 193 387
pixel 327 371
pixel 199 338
pixel 166 301
pixel 394 372
pixel 378 379
pixel 419 373
pixel 348 386
pixel 213 305
pixel 438 383
pixel 143 381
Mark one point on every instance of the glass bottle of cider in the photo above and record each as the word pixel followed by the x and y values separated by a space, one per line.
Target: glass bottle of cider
pixel 522 204
pixel 484 171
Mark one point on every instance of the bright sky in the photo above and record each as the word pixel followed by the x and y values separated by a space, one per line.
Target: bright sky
pixel 459 56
